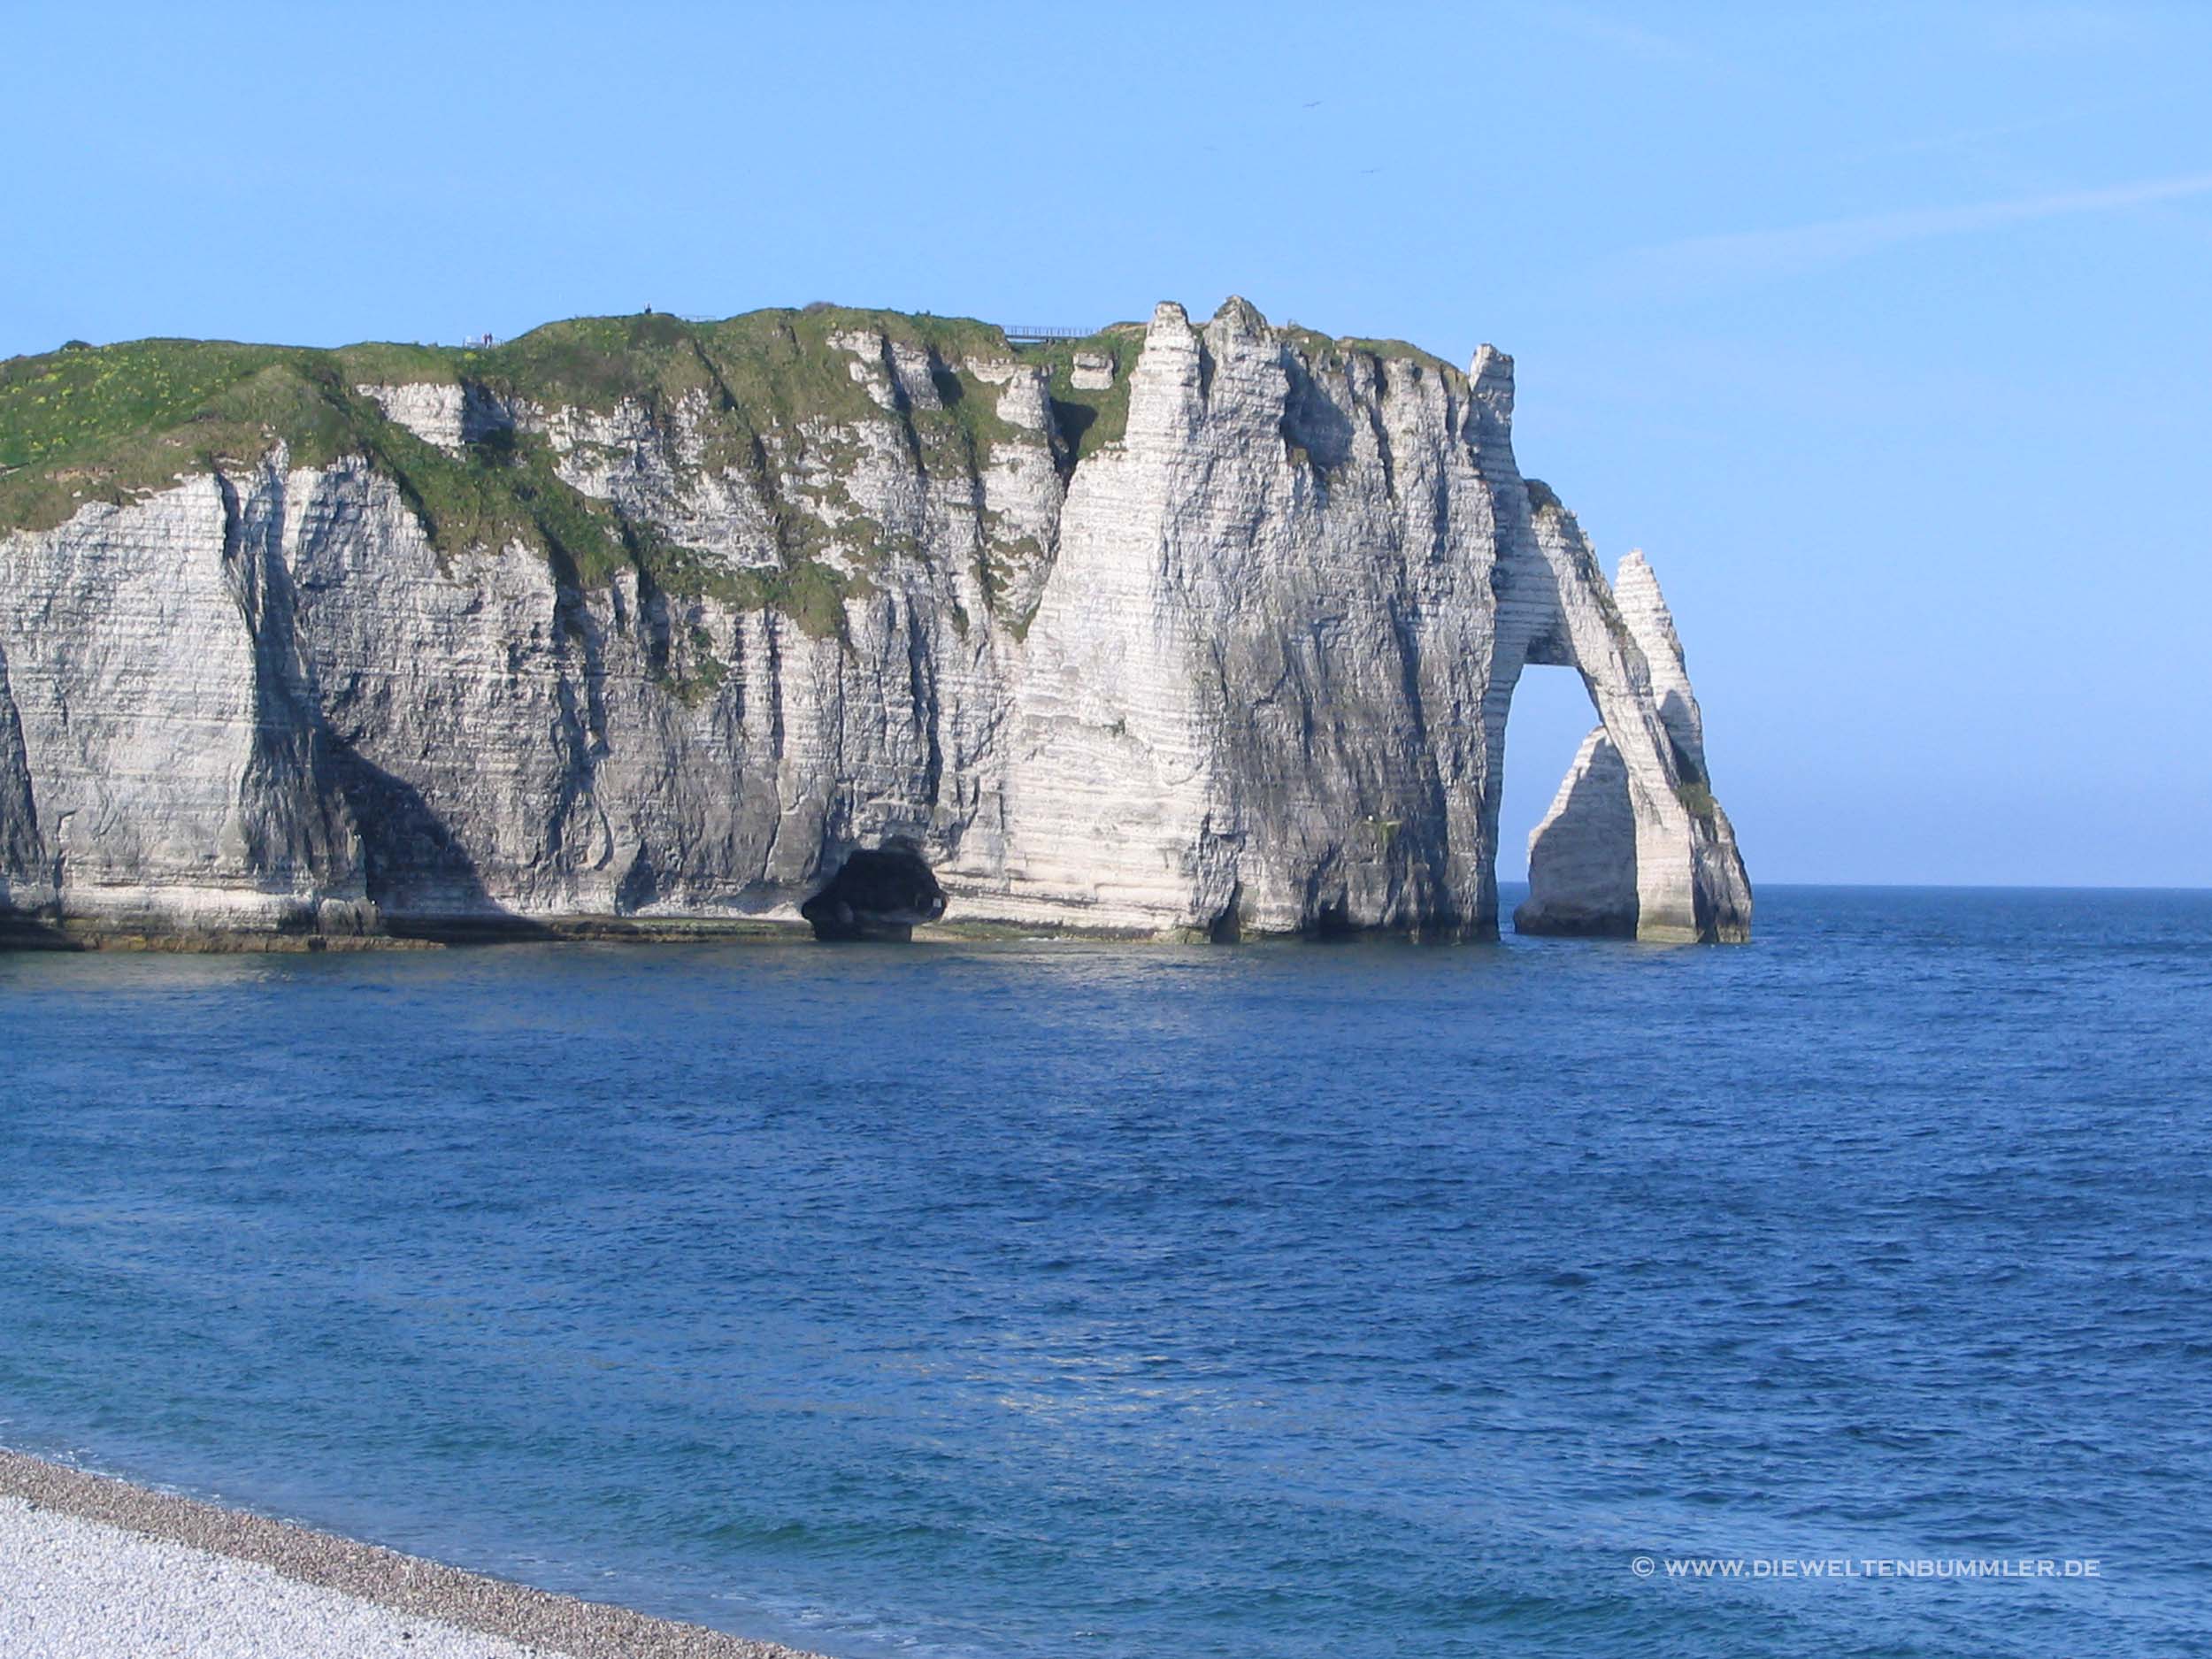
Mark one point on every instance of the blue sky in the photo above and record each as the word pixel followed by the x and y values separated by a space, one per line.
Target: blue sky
pixel 1885 330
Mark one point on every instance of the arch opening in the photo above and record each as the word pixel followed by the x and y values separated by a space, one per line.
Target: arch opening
pixel 1572 826
pixel 1549 716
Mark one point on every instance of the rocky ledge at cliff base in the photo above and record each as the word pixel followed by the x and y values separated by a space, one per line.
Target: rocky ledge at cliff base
pixel 1195 631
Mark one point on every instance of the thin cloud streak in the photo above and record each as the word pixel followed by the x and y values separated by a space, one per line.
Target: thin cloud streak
pixel 1973 138
pixel 1762 255
pixel 1632 40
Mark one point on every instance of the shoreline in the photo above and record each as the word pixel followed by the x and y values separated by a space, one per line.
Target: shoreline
pixel 80 937
pixel 144 1528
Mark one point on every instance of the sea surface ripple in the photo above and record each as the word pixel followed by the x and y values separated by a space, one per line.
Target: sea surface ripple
pixel 1027 1301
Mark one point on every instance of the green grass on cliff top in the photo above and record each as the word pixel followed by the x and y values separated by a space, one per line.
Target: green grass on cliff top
pixel 109 422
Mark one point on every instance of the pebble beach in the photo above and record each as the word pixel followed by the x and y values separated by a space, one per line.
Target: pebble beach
pixel 95 1568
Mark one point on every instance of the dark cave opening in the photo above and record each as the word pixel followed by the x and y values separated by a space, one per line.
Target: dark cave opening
pixel 878 893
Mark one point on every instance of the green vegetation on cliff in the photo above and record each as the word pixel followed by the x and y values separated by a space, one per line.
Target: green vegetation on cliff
pixel 1089 419
pixel 116 423
pixel 770 396
pixel 767 399
pixel 1327 353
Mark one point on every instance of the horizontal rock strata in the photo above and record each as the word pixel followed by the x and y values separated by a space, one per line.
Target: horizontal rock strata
pixel 1192 631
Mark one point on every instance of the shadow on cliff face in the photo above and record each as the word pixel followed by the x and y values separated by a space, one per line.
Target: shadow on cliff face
pixel 421 879
pixel 878 893
pixel 21 931
pixel 1071 421
pixel 1313 421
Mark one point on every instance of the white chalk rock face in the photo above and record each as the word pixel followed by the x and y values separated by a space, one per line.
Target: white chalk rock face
pixel 1635 846
pixel 1582 857
pixel 24 883
pixel 1239 662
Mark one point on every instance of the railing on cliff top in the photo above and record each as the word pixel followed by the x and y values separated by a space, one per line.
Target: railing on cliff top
pixel 1037 333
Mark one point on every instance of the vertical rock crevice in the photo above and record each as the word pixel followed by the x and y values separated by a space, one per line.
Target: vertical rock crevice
pixel 28 880
pixel 295 836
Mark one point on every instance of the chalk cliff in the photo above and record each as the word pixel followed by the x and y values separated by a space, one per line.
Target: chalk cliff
pixel 1202 631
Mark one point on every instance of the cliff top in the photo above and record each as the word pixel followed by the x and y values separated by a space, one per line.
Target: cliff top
pixel 112 423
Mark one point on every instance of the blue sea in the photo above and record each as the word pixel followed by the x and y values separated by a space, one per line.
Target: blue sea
pixel 1031 1301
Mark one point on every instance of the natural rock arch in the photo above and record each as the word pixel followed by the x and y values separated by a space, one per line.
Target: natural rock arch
pixel 1634 846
